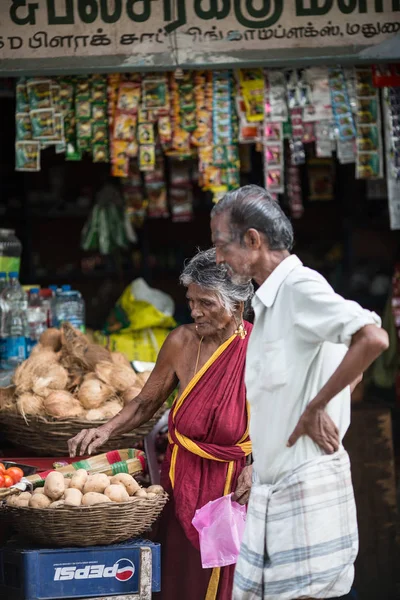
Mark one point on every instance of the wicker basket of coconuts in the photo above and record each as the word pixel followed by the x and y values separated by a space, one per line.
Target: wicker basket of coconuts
pixel 66 385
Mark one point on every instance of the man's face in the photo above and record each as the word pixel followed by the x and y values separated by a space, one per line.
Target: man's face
pixel 229 249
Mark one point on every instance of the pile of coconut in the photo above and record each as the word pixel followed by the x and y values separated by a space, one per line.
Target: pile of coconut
pixel 67 377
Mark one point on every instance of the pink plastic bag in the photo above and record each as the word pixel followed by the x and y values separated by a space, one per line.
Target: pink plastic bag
pixel 220 524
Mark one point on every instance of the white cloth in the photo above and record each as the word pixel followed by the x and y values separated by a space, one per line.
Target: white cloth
pixel 301 536
pixel 302 331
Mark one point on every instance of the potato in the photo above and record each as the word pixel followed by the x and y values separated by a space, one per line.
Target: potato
pixel 39 490
pixel 155 489
pixel 79 479
pixel 39 501
pixel 12 500
pixel 117 493
pixel 54 485
pixel 128 481
pixel 67 482
pixel 151 495
pixel 141 493
pixel 57 504
pixel 23 499
pixel 73 497
pixel 92 498
pixel 96 483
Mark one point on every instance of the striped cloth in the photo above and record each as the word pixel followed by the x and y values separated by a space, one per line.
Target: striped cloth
pixel 301 536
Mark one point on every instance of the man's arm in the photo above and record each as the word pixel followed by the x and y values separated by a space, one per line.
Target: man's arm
pixel 140 408
pixel 366 345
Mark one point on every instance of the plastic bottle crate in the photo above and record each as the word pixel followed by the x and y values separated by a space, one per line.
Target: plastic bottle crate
pixel 131 569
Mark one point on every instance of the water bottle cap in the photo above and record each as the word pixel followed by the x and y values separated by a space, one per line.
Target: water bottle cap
pixel 13 275
pixel 66 288
pixel 3 275
pixel 34 291
pixel 53 288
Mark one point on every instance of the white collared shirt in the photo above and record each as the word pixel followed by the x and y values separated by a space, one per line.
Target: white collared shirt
pixel 301 333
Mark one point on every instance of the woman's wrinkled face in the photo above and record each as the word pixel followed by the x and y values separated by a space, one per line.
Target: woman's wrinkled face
pixel 207 310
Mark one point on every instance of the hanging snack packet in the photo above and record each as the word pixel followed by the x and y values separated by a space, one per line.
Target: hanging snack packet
pixel 43 123
pixel 154 93
pixel 125 127
pixel 23 126
pixel 27 156
pixel 39 93
pixel 368 165
pixel 147 157
pixel 100 133
pixel 129 97
pixel 146 133
pixel 22 101
pixel 165 130
pixel 55 90
pixel 119 158
pixel 101 152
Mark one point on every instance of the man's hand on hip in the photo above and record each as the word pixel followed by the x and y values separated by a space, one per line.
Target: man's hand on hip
pixel 317 424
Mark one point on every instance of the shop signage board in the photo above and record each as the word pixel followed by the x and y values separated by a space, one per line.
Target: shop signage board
pixel 151 33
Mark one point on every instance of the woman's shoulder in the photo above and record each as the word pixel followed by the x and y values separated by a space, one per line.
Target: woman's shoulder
pixel 182 335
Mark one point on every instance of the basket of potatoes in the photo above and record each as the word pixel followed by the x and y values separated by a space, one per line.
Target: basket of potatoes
pixel 85 510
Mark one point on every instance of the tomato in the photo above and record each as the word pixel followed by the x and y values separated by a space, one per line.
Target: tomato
pixel 2 468
pixel 15 473
pixel 8 481
pixel 1 481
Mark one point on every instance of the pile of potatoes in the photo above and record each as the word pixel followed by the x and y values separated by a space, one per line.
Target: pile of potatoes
pixel 83 489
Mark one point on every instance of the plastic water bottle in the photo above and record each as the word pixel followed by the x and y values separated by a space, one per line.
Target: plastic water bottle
pixel 16 329
pixel 71 308
pixel 3 314
pixel 37 318
pixel 54 292
pixel 46 297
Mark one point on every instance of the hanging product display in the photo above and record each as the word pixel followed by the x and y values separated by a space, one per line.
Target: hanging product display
pixel 186 126
pixel 369 163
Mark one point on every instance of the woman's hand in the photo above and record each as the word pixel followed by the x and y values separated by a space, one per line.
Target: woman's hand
pixel 89 440
pixel 243 488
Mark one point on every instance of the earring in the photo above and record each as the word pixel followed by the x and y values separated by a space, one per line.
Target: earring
pixel 241 332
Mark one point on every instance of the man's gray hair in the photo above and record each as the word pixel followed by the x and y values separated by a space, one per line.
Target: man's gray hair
pixel 204 271
pixel 251 207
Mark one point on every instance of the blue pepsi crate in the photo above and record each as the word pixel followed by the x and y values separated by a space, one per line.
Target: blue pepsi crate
pixel 130 569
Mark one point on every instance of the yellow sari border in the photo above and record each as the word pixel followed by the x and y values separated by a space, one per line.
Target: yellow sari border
pixel 193 382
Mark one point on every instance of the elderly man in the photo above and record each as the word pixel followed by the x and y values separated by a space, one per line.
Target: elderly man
pixel 307 347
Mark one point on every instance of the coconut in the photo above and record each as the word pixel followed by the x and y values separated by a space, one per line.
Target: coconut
pixel 119 377
pixel 35 367
pixel 93 392
pixel 112 408
pixel 93 355
pixel 51 338
pixel 56 378
pixel 62 405
pixel 7 400
pixel 29 404
pixel 120 359
pixel 95 414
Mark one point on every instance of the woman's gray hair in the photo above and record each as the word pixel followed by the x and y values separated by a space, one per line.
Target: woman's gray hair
pixel 204 271
pixel 251 207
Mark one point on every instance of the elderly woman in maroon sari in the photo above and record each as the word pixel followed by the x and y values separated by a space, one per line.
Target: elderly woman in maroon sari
pixel 208 425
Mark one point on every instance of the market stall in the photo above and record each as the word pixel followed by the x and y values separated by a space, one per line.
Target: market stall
pixel 157 115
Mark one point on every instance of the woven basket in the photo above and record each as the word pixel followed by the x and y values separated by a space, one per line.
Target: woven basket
pixel 87 525
pixel 48 437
